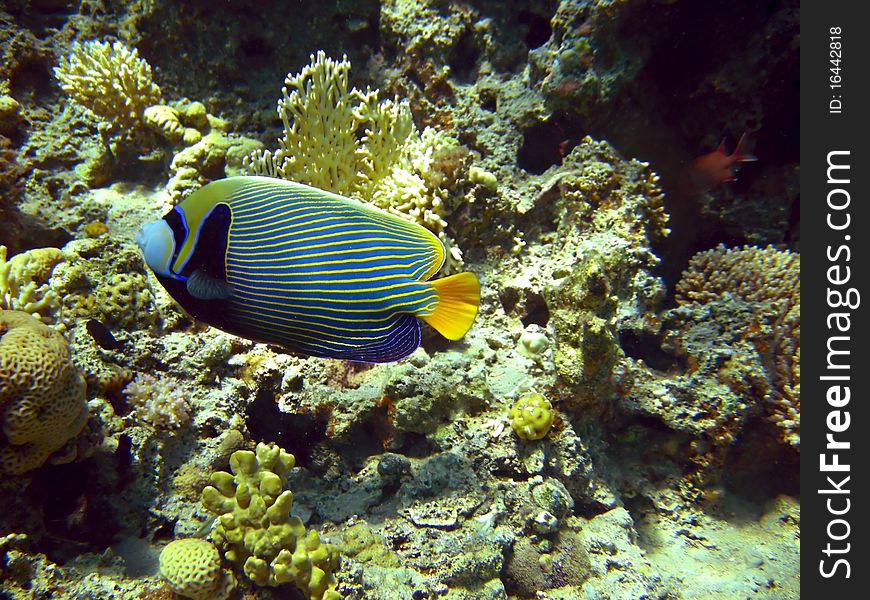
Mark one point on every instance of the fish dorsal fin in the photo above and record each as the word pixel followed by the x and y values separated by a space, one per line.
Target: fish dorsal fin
pixel 458 299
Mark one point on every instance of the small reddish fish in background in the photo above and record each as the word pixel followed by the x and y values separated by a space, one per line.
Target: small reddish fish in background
pixel 707 171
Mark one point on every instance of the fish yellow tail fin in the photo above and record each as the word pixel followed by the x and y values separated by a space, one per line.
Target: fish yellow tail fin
pixel 458 297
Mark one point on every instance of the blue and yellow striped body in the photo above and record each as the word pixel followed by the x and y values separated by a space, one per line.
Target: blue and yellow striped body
pixel 318 273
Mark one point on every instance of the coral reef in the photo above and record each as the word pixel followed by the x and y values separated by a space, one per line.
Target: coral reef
pixel 737 332
pixel 548 140
pixel 10 111
pixel 767 282
pixel 255 528
pixel 104 280
pixel 42 394
pixel 321 119
pixel 607 212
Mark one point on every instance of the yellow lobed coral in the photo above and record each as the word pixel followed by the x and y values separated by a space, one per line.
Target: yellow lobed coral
pixel 24 282
pixel 532 416
pixel 110 80
pixel 165 121
pixel 770 280
pixel 256 531
pixel 192 568
pixel 42 394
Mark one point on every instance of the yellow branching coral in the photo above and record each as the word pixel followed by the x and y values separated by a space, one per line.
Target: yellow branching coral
pixel 349 142
pixel 110 80
pixel 321 118
pixel 256 531
pixel 24 282
pixel 769 279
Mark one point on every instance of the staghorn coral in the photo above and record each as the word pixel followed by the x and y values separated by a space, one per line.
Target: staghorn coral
pixel 256 531
pixel 42 394
pixel 766 276
pixel 347 141
pixel 111 81
pixel 24 282
pixel 159 402
pixel 192 568
pixel 768 280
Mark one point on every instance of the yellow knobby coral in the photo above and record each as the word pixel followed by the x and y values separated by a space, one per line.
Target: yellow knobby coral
pixel 24 282
pixel 165 121
pixel 532 416
pixel 170 122
pixel 255 529
pixel 110 80
pixel 192 568
pixel 42 394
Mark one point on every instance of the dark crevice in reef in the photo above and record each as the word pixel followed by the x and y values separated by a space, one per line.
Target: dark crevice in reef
pixel 254 47
pixel 435 342
pixel 298 434
pixel 536 311
pixel 509 297
pixel 463 58
pixel 762 480
pixel 415 445
pixel 546 144
pixel 75 502
pixel 540 149
pixel 531 308
pixel 539 29
pixel 647 347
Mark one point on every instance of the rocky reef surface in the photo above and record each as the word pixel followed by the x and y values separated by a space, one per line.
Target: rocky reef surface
pixel 623 419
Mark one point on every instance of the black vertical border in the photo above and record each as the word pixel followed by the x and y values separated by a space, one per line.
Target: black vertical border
pixel 823 131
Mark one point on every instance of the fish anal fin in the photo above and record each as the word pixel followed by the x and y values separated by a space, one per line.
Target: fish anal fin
pixel 458 299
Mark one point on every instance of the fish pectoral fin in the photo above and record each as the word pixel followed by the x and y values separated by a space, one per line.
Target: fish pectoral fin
pixel 458 299
pixel 203 286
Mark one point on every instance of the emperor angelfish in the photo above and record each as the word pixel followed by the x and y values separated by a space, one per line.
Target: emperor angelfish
pixel 320 274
